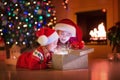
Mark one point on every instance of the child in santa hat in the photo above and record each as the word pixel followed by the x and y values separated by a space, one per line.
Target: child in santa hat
pixel 40 57
pixel 70 34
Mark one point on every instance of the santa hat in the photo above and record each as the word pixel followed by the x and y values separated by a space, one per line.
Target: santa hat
pixel 69 26
pixel 46 36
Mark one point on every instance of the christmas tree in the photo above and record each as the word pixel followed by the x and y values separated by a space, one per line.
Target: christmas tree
pixel 20 19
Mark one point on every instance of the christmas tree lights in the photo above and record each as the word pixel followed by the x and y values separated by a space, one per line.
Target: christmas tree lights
pixel 21 18
pixel 65 4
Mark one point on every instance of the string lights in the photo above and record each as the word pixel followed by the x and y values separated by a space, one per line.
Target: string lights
pixel 21 18
pixel 65 4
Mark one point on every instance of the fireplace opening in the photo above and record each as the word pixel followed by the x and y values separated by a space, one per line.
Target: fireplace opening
pixel 93 25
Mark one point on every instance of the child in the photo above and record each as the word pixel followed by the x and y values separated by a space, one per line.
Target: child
pixel 70 35
pixel 40 57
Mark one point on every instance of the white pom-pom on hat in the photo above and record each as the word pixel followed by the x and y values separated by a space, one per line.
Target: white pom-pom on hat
pixel 42 40
pixel 46 36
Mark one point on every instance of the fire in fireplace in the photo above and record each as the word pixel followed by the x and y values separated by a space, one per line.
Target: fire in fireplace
pixel 93 25
pixel 98 33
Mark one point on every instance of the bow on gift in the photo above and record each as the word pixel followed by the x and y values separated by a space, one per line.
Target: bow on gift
pixel 77 45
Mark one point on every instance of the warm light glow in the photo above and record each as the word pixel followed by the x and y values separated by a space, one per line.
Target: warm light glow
pixel 34 2
pixel 20 23
pixel 16 4
pixel 23 43
pixel 104 10
pixel 31 16
pixel 28 3
pixel 8 42
pixel 98 34
pixel 61 52
pixel 5 3
pixel 54 18
pixel 25 25
pixel 1 14
pixel 0 30
pixel 1 34
pixel 16 17
pixel 18 27
pixel 16 42
pixel 50 23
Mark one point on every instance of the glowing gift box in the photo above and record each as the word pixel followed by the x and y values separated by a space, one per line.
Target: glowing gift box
pixel 75 59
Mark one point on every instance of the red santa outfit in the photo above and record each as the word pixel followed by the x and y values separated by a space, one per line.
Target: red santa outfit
pixel 76 39
pixel 38 58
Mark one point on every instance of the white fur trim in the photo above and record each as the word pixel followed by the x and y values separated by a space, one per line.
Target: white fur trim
pixel 42 40
pixel 66 27
pixel 54 36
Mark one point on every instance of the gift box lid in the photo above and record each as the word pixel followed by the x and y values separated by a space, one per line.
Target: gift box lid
pixel 81 52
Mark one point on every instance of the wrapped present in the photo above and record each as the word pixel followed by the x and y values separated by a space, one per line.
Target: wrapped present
pixel 75 59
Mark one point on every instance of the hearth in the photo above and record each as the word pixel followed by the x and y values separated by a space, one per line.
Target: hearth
pixel 93 25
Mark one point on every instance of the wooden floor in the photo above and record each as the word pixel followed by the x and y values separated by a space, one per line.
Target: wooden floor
pixel 99 69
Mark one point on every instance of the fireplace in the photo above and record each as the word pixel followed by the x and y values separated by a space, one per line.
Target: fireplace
pixel 93 25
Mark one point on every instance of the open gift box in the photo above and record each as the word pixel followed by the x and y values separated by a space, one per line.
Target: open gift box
pixel 75 59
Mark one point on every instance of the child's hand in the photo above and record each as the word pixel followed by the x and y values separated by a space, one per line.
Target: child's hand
pixel 49 64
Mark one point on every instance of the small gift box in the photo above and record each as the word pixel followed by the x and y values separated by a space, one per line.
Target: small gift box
pixel 74 59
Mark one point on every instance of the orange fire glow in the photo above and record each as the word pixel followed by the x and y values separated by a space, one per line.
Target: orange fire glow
pixel 98 33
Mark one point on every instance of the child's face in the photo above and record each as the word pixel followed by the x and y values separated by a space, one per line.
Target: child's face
pixel 64 36
pixel 52 46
